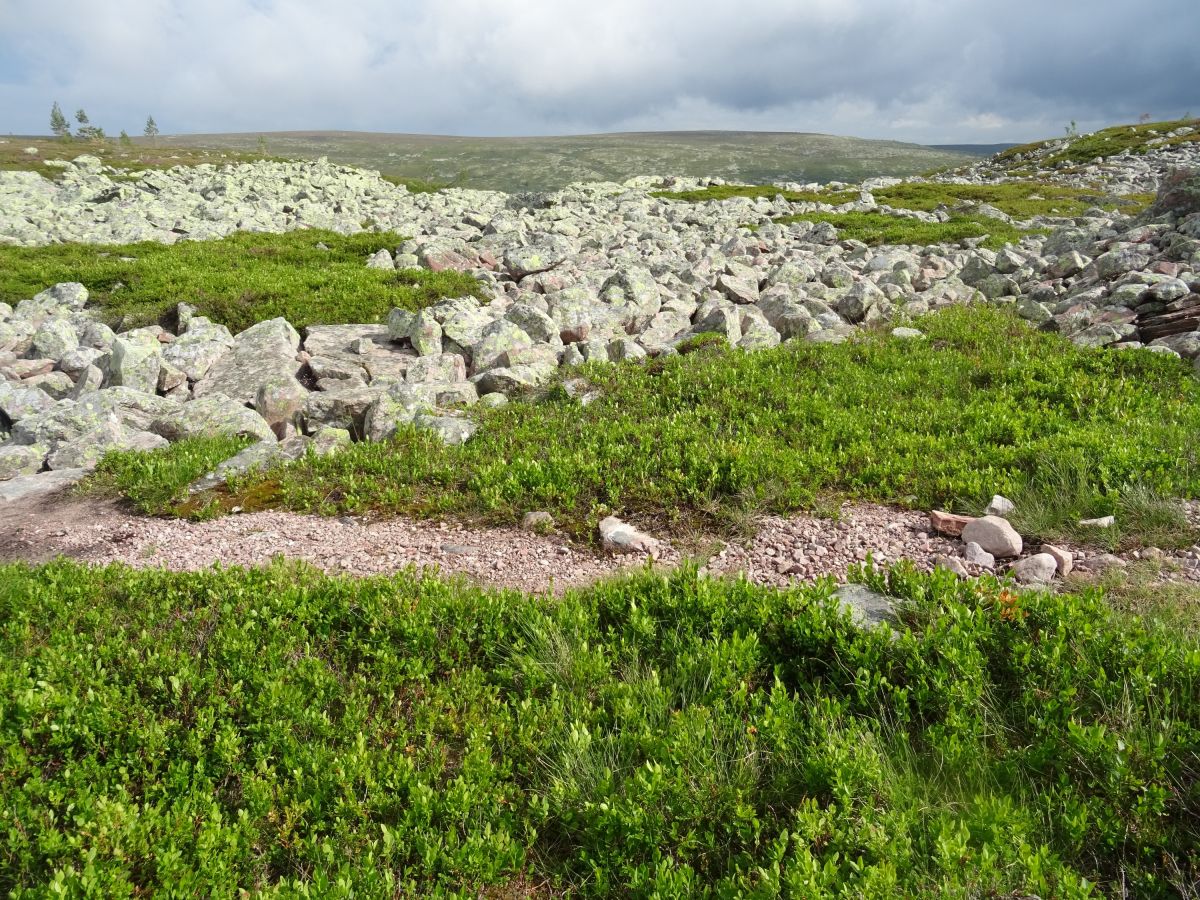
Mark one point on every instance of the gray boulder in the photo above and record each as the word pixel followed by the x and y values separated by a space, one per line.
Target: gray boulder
pixel 21 459
pixel 135 360
pixel 451 430
pixel 867 608
pixel 994 535
pixel 263 354
pixel 621 537
pixel 340 408
pixel 1037 569
pixel 212 414
pixel 54 339
pixel 498 338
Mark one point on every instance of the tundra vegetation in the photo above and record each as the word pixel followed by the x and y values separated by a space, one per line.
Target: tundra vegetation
pixel 309 277
pixel 699 440
pixel 280 732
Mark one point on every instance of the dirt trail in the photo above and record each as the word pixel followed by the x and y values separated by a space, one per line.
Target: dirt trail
pixel 784 550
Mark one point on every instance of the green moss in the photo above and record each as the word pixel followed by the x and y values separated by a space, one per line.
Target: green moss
pixel 239 280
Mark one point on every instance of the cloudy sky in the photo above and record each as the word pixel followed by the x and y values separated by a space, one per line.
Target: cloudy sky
pixel 932 71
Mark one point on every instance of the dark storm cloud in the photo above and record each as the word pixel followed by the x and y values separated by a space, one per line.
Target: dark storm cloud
pixel 905 69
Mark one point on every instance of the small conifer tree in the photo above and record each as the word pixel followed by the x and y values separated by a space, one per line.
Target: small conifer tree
pixel 151 129
pixel 86 129
pixel 59 125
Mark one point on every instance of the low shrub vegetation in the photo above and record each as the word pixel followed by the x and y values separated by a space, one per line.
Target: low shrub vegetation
pixel 238 280
pixel 1020 199
pixel 754 191
pixel 1111 141
pixel 981 405
pixel 279 732
pixel 138 155
pixel 875 228
pixel 155 481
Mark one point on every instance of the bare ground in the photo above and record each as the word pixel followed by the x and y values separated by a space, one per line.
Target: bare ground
pixel 783 550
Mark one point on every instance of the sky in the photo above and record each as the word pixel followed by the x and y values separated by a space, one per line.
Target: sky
pixel 929 71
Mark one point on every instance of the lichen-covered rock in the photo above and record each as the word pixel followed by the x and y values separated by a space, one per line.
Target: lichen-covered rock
pixel 262 354
pixel 545 252
pixel 864 302
pixel 340 408
pixel 496 339
pixel 447 367
pixel 212 414
pixel 60 300
pixel 196 350
pixel 54 339
pixel 389 412
pixel 426 334
pixel 85 451
pixel 280 400
pixel 1178 193
pixel 451 430
pixel 21 459
pixel 328 440
pixel 134 361
pixel 19 401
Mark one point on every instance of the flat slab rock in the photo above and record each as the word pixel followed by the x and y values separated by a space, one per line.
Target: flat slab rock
pixel 26 486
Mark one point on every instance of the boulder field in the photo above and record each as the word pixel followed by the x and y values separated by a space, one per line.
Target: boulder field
pixel 594 272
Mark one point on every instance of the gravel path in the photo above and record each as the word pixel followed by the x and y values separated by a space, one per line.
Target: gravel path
pixel 103 532
pixel 783 551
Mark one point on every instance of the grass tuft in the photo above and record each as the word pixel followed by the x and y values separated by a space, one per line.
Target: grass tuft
pixel 1061 491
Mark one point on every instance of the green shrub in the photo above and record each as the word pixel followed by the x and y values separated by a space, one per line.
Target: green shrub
pixel 239 280
pixel 281 732
pixel 879 228
pixel 753 191
pixel 155 481
pixel 979 407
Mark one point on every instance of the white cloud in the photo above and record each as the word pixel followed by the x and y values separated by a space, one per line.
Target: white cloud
pixel 914 70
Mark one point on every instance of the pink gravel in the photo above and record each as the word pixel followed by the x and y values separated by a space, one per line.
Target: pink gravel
pixel 783 551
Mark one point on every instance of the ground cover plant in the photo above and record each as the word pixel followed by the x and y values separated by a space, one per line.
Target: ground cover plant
pixel 307 276
pixel 981 405
pixel 1020 199
pixel 284 733
pixel 1111 141
pixel 753 191
pixel 137 155
pixel 875 228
